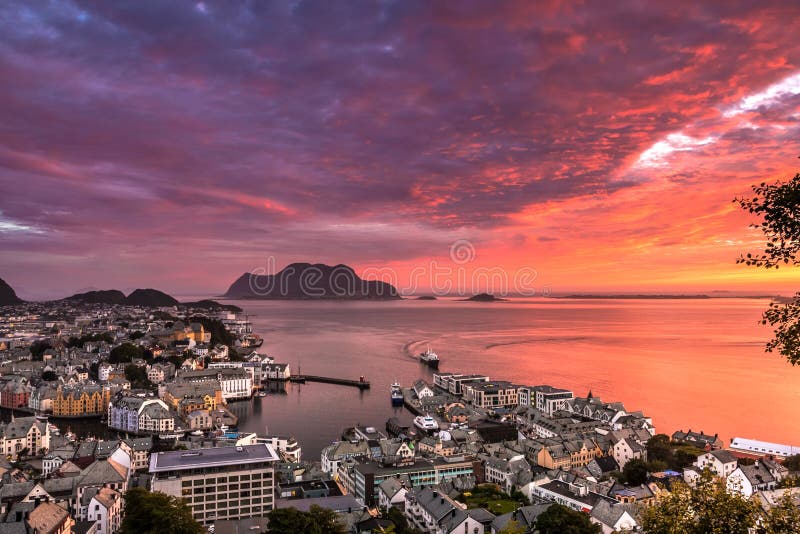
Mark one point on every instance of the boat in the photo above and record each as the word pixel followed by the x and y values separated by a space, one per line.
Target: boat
pixel 397 395
pixel 430 358
pixel 261 394
pixel 251 341
pixel 426 423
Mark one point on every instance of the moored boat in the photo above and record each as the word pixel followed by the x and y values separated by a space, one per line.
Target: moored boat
pixel 426 423
pixel 397 395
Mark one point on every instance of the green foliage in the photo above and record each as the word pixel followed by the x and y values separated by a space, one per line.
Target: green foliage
pixel 559 519
pixel 490 496
pixel 635 472
pixel 137 376
pixel 792 463
pixel 676 456
pixel 49 376
pixel 125 353
pixel 219 334
pixel 136 335
pixel 316 521
pixel 707 509
pixel 783 518
pixel 512 527
pixel 155 513
pixel 400 522
pixel 79 341
pixel 778 205
pixel 37 349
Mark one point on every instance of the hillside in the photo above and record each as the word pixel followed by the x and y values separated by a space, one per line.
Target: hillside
pixel 8 296
pixel 307 281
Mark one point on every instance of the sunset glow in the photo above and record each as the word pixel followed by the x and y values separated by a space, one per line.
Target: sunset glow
pixel 599 145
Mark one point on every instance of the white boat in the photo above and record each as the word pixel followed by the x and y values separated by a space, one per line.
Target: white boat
pixel 430 358
pixel 426 423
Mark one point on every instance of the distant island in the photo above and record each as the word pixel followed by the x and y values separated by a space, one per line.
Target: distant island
pixel 665 297
pixel 426 297
pixel 484 297
pixel 305 281
pixel 8 297
pixel 146 298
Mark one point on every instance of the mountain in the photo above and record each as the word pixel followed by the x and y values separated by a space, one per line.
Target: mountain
pixel 150 297
pixel 7 295
pixel 211 305
pixel 107 296
pixel 307 281
pixel 484 297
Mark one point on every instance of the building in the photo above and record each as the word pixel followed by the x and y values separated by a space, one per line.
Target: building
pixel 235 383
pixel 81 400
pixel 24 433
pixel 720 462
pixel 626 450
pixel 549 399
pixel 750 479
pixel 698 439
pixel 139 414
pixel 489 395
pixel 422 389
pixel 15 391
pixel 755 447
pixel 50 518
pixel 159 372
pixel 454 383
pixel 219 483
pixel 433 512
pixel 105 510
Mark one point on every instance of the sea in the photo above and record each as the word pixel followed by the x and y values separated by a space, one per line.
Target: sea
pixel 694 364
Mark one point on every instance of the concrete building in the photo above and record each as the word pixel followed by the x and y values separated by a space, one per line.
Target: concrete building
pixel 219 483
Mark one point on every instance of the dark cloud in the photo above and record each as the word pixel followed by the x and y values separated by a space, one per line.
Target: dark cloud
pixel 129 122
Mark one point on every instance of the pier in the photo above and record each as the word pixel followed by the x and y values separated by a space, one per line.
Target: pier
pixel 361 383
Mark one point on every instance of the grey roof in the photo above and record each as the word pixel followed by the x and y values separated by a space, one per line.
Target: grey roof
pixel 608 513
pixel 724 456
pixel 337 503
pixel 219 456
pixel 391 486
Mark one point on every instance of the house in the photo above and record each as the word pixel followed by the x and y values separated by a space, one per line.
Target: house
pixel 24 433
pixel 422 389
pixel 105 509
pixel 524 516
pixel 749 479
pixel 508 474
pixel 433 512
pixel 627 449
pixel 392 492
pixel 721 462
pixel 50 518
pixel 613 517
pixel 698 439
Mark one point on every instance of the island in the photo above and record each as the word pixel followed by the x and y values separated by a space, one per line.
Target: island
pixel 426 297
pixel 306 281
pixel 8 297
pixel 484 297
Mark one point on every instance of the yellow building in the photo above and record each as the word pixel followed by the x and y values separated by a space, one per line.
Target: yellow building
pixel 81 400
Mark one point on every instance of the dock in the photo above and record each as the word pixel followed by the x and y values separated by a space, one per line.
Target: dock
pixel 361 383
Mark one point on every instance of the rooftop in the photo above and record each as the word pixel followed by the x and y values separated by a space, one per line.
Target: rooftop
pixel 215 457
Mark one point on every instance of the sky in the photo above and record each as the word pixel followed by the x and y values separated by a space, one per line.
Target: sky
pixel 591 146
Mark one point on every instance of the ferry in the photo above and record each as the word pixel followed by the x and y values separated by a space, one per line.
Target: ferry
pixel 426 423
pixel 430 358
pixel 397 395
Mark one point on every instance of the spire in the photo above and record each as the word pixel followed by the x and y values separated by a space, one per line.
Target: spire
pixel 589 395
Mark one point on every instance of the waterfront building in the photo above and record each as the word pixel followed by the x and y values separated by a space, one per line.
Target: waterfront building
pixel 755 447
pixel 422 389
pixel 489 395
pixel 549 399
pixel 24 433
pixel 219 483
pixel 140 414
pixel 15 391
pixel 454 383
pixel 81 400
pixel 233 383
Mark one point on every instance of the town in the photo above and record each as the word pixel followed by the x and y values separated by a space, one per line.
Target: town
pixel 155 386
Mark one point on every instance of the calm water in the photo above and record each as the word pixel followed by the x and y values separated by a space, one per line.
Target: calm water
pixel 695 364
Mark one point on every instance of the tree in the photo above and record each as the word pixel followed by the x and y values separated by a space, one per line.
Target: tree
pixel 559 519
pixel 778 205
pixel 635 472
pixel 792 463
pixel 707 509
pixel 125 353
pixel 49 376
pixel 512 527
pixel 785 517
pixel 137 376
pixel 659 448
pixel 317 520
pixel 156 513
pixel 37 349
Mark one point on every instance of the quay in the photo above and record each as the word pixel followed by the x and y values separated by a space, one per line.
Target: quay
pixel 361 383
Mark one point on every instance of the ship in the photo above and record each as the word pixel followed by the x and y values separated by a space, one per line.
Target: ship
pixel 251 341
pixel 426 423
pixel 430 358
pixel 397 395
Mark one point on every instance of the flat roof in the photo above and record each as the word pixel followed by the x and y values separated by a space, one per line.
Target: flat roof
pixel 213 457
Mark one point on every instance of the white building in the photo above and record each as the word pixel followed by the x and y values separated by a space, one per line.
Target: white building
pixel 105 509
pixel 749 479
pixel 433 512
pixel 221 483
pixel 721 462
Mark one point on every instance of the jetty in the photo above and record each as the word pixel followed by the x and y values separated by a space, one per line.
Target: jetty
pixel 361 383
